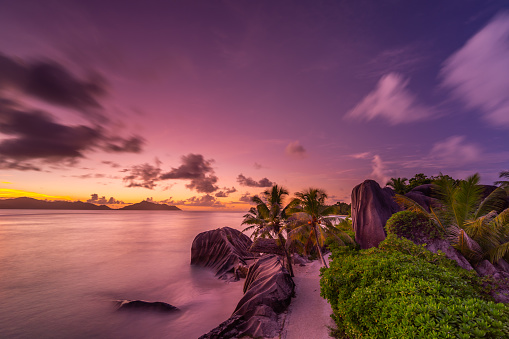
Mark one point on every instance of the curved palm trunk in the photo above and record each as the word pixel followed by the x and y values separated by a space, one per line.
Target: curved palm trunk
pixel 318 246
pixel 287 255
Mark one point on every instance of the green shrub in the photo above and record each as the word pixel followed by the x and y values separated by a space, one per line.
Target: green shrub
pixel 401 290
pixel 412 225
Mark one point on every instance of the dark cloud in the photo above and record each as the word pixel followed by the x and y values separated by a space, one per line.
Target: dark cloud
pixel 94 199
pixel 51 82
pixel 296 150
pixel 225 192
pixel 36 135
pixel 242 180
pixel 17 165
pixel 246 197
pixel 195 168
pixel 111 163
pixel 132 145
pixel 144 175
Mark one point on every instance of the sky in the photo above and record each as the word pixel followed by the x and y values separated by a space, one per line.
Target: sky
pixel 203 104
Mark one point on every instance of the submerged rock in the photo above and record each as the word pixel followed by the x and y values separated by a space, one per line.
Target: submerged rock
pixel 268 290
pixel 371 208
pixel 224 250
pixel 157 306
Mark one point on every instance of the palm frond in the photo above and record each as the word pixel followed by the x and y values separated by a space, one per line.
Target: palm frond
pixel 494 201
pixel 460 240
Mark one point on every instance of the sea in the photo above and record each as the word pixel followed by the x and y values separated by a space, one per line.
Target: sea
pixel 62 271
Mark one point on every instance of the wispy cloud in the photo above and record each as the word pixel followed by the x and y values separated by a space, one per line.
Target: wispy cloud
pixel 455 151
pixel 380 172
pixel 478 72
pixel 393 101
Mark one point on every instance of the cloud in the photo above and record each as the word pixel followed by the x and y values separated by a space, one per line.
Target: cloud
pixel 225 192
pixel 380 172
pixel 205 200
pixel 144 175
pixel 51 82
pixel 296 150
pixel 364 155
pixel 455 151
pixel 243 181
pixel 90 176
pixel 112 164
pixel 257 166
pixel 132 145
pixel 94 199
pixel 17 165
pixel 246 197
pixel 36 135
pixel 195 168
pixel 391 100
pixel 477 73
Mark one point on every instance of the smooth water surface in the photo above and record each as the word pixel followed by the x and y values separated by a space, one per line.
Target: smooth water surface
pixel 60 272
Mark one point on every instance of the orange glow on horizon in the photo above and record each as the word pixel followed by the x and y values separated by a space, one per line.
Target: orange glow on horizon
pixel 13 193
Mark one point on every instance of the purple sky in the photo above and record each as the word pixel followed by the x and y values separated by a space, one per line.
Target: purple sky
pixel 204 103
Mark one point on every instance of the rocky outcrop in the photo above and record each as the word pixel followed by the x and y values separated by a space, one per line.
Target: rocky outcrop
pixel 435 245
pixel 157 306
pixel 267 293
pixel 225 250
pixel 499 277
pixel 420 198
pixel 371 208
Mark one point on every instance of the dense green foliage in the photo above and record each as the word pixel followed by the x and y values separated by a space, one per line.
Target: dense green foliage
pixel 412 225
pixel 475 224
pixel 342 208
pixel 316 225
pixel 401 290
pixel 401 187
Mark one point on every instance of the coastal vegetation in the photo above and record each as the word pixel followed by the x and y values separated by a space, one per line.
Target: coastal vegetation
pixel 401 290
pixel 306 221
pixel 267 218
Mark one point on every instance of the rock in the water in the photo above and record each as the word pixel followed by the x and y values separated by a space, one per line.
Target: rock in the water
pixel 223 250
pixel 268 290
pixel 157 306
pixel 435 245
pixel 371 208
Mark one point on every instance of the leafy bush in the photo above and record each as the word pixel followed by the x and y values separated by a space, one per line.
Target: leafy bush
pixel 412 225
pixel 401 290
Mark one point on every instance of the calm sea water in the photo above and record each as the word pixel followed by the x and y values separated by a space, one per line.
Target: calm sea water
pixel 61 270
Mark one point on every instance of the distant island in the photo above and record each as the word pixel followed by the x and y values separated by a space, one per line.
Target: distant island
pixel 150 206
pixel 31 203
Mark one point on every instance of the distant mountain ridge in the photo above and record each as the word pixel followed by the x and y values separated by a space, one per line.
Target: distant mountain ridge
pixel 31 203
pixel 146 205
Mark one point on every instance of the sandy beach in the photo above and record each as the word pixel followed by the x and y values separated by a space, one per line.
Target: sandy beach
pixel 308 314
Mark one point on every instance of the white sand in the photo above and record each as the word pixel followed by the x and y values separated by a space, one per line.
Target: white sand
pixel 308 314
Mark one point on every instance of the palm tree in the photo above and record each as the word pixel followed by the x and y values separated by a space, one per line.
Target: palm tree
pixel 399 185
pixel 473 224
pixel 315 223
pixel 503 183
pixel 267 219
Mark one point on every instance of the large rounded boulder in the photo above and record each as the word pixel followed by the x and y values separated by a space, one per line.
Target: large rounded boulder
pixel 371 208
pixel 225 250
